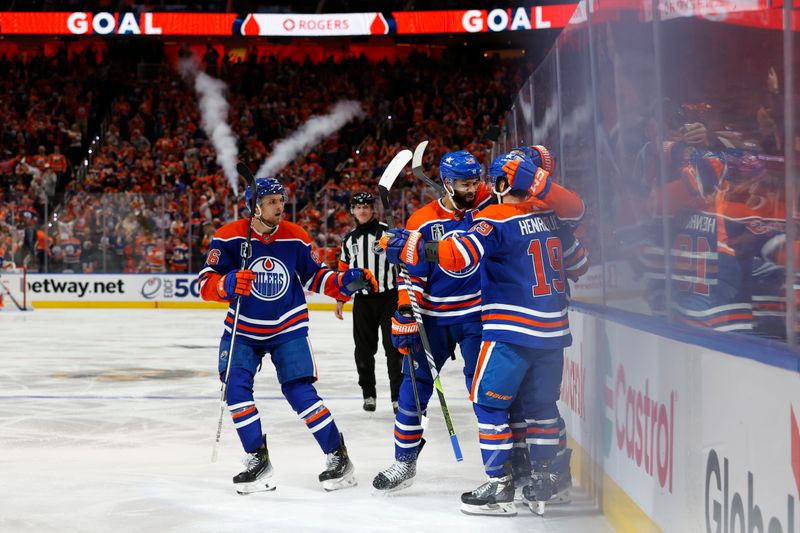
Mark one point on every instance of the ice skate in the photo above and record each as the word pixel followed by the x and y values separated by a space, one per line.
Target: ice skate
pixel 521 471
pixel 257 477
pixel 339 471
pixel 541 488
pixel 563 478
pixel 493 498
pixel 399 475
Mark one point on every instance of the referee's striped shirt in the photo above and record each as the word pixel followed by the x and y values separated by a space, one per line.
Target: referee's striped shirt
pixel 357 252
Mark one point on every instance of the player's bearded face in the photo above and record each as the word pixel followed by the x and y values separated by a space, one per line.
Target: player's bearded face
pixel 270 210
pixel 465 191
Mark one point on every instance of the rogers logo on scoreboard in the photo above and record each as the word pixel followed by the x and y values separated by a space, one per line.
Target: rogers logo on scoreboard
pixel 315 24
pixel 476 20
pixel 104 23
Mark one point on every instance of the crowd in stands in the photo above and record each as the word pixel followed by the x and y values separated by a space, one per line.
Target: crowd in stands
pixel 151 194
pixel 48 106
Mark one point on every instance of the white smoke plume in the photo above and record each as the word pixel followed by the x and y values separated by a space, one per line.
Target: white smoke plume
pixel 309 134
pixel 214 113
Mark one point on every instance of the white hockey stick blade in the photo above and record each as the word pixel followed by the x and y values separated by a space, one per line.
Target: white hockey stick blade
pixel 394 168
pixel 419 151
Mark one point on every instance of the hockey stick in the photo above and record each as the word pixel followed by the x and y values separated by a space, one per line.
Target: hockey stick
pixel 13 300
pixel 394 168
pixel 384 185
pixel 246 251
pixel 419 173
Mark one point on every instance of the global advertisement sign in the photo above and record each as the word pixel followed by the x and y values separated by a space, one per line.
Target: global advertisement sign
pixel 690 438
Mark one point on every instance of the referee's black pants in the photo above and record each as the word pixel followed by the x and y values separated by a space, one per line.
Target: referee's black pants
pixel 370 313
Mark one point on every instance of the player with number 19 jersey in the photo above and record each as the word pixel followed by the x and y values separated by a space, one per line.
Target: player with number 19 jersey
pixel 537 317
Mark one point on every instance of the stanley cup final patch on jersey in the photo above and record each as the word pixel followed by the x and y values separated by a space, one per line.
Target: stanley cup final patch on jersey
pixel 272 278
pixel 437 232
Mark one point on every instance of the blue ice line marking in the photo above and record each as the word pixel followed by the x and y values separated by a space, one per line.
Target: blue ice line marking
pixel 101 397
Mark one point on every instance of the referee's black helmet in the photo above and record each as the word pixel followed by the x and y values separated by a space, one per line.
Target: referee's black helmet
pixel 362 198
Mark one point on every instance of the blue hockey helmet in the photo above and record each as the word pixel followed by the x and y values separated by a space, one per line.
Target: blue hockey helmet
pixel 496 169
pixel 264 187
pixel 459 165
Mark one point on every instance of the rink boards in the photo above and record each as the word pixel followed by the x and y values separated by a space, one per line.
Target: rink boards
pixel 675 436
pixel 179 291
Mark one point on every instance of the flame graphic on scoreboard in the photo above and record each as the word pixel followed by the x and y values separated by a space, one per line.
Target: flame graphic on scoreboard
pixel 250 26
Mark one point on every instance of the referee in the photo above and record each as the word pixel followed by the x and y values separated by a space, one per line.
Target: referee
pixel 371 312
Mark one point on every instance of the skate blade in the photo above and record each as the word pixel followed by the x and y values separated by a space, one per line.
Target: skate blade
pixel 562 498
pixel 346 481
pixel 403 485
pixel 260 485
pixel 490 509
pixel 537 508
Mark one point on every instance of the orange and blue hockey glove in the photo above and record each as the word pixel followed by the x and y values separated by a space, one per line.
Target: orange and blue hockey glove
pixel 405 246
pixel 542 158
pixel 523 175
pixel 405 334
pixel 235 283
pixel 356 279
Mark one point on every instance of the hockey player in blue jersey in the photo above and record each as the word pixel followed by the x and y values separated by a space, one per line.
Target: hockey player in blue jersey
pixel 450 304
pixel 526 252
pixel 569 212
pixel 273 319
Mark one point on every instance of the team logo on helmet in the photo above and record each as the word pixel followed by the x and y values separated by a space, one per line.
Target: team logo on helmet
pixel 272 278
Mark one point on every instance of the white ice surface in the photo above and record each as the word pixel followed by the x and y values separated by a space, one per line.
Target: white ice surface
pixel 108 417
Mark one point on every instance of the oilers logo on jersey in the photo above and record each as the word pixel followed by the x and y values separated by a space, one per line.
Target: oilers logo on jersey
pixel 272 278
pixel 467 272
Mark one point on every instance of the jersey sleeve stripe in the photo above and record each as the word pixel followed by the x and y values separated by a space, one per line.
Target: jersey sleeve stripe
pixel 463 252
pixel 477 244
pixel 467 242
